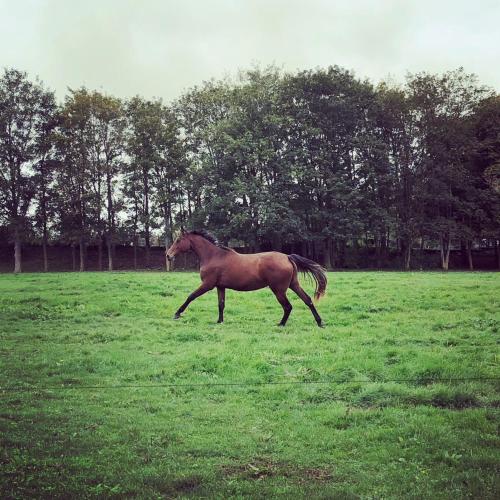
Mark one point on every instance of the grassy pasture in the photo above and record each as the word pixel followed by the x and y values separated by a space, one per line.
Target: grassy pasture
pixel 418 438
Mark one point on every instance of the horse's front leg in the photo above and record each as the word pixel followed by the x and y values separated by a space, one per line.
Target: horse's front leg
pixel 221 293
pixel 203 288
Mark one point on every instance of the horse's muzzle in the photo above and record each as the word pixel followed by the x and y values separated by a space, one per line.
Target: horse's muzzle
pixel 170 259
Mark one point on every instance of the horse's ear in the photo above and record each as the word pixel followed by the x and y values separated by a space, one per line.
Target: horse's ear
pixel 183 231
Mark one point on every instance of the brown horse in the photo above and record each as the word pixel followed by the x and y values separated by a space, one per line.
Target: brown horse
pixel 223 268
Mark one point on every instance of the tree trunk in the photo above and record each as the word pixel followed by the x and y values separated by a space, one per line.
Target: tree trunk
pixel 189 204
pixel 341 252
pixel 497 252
pixel 167 221
pixel 135 252
pixel 445 252
pixel 277 244
pixel 82 254
pixel 110 215
pixel 355 252
pixel 463 252
pixel 441 251
pixel 148 253
pixel 407 254
pixel 73 255
pixel 109 243
pixel 328 253
pixel 303 248
pixel 384 238
pixel 314 251
pixel 146 214
pixel 44 242
pixel 469 256
pixel 45 257
pixel 331 250
pixel 99 252
pixel 378 251
pixel 17 252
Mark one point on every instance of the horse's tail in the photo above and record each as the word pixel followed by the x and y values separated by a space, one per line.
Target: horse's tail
pixel 315 270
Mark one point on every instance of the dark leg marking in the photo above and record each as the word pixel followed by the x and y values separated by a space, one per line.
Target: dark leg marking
pixel 307 301
pixel 221 293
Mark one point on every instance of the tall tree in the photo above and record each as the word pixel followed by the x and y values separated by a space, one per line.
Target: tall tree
pixel 44 172
pixel 328 109
pixel 79 208
pixel 397 124
pixel 143 132
pixel 443 105
pixel 168 171
pixel 23 113
pixel 93 140
pixel 107 126
pixel 202 114
pixel 484 167
pixel 132 192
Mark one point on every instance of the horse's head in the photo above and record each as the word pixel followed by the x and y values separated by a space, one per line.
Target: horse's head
pixel 181 244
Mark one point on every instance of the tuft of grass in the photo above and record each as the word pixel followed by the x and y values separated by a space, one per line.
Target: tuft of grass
pixel 420 435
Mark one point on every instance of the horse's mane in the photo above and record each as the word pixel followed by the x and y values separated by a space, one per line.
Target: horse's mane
pixel 209 237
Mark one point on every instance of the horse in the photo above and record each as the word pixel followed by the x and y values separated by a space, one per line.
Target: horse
pixel 222 267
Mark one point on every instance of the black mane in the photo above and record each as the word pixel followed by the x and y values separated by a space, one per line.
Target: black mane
pixel 209 237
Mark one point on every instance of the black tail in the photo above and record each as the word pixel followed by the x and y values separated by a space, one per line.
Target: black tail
pixel 315 270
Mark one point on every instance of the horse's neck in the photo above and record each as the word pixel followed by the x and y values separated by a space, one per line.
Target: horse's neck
pixel 204 249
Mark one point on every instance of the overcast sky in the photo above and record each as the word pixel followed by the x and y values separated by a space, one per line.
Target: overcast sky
pixel 161 47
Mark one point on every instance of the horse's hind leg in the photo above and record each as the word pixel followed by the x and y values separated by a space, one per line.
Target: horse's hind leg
pixel 295 286
pixel 285 304
pixel 221 293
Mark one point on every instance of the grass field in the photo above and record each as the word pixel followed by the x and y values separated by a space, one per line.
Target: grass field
pixel 417 436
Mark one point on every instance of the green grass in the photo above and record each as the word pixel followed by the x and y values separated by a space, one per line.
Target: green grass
pixel 422 438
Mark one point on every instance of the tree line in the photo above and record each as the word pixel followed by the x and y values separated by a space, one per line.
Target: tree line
pixel 319 161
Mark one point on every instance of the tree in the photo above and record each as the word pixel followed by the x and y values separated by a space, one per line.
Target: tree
pixel 318 162
pixel 132 192
pixel 202 114
pixel 169 164
pixel 92 137
pixel 443 105
pixel 328 118
pixel 45 170
pixel 25 107
pixel 79 207
pixel 396 122
pixel 140 132
pixel 107 126
pixel 484 167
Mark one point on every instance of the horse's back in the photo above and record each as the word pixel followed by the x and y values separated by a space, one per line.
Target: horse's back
pixel 267 260
pixel 255 270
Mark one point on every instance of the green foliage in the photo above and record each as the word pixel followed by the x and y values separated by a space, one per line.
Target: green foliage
pixel 324 159
pixel 317 162
pixel 421 437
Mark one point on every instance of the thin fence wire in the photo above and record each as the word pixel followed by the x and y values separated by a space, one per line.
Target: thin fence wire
pixel 419 380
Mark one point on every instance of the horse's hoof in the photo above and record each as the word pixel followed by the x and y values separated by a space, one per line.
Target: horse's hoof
pixel 280 324
pixel 321 325
pixel 220 322
pixel 177 316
